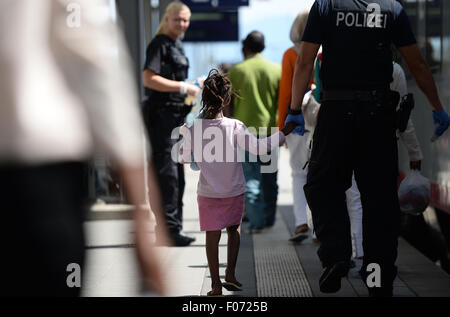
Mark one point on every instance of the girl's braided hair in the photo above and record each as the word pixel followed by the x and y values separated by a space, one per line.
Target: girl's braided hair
pixel 216 92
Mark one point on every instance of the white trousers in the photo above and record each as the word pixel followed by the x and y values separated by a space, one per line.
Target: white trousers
pixel 355 214
pixel 299 155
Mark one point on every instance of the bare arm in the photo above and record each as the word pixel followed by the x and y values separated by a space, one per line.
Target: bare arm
pixel 422 74
pixel 156 82
pixel 149 259
pixel 250 143
pixel 302 73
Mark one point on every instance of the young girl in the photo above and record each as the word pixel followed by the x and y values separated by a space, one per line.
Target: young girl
pixel 221 186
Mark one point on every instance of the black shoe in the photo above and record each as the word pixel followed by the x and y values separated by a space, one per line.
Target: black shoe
pixel 330 281
pixel 181 241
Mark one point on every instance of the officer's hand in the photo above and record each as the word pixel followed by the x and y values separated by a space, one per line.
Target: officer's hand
pixel 192 90
pixel 299 120
pixel 289 127
pixel 441 122
pixel 415 165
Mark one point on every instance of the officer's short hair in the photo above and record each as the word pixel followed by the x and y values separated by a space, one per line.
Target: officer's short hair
pixel 254 42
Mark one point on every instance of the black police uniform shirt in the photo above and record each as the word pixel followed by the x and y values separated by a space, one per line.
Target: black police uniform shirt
pixel 356 37
pixel 166 58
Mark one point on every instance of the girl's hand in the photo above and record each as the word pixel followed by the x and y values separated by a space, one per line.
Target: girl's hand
pixel 288 127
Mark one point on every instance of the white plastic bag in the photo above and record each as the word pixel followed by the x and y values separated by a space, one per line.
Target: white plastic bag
pixel 414 193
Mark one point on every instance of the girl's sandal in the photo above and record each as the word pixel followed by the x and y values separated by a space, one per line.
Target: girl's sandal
pixel 230 286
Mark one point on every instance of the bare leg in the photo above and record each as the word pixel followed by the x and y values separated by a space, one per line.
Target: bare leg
pixel 234 241
pixel 212 254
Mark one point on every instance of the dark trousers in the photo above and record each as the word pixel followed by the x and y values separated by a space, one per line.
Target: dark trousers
pixel 41 228
pixel 170 174
pixel 359 137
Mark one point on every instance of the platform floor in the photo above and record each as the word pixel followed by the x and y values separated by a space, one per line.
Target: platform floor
pixel 268 265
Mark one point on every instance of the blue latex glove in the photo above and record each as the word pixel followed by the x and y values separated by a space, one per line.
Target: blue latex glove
pixel 441 123
pixel 300 120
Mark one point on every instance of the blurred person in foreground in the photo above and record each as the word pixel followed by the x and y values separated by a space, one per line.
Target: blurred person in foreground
pixel 63 94
pixel 164 75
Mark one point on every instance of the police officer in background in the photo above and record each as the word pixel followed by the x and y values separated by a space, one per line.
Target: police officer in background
pixel 356 130
pixel 164 75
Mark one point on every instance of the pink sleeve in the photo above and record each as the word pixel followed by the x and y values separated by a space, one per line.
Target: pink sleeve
pixel 247 141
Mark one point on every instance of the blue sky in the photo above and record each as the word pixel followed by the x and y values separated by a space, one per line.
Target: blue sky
pixel 272 17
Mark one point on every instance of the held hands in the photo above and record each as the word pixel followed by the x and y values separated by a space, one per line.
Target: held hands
pixel 289 127
pixel 441 123
pixel 299 124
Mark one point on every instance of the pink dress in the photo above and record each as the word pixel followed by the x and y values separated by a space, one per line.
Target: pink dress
pixel 217 146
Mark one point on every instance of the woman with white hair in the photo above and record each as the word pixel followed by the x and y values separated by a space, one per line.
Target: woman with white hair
pixel 297 144
pixel 164 75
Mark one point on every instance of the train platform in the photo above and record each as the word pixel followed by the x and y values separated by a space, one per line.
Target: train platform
pixel 269 265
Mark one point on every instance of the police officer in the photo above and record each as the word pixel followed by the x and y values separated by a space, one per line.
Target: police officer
pixel 356 130
pixel 165 70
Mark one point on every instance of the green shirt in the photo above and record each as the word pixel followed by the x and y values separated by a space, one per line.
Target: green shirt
pixel 256 80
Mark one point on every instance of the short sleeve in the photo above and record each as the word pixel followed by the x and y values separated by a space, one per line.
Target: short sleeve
pixel 154 56
pixel 402 32
pixel 315 32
